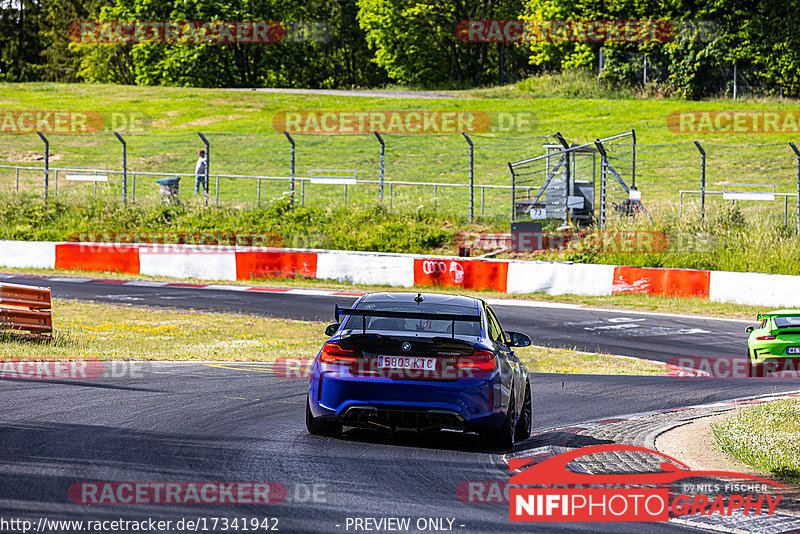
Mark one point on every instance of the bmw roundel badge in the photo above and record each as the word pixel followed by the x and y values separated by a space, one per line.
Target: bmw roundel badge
pixel 406 346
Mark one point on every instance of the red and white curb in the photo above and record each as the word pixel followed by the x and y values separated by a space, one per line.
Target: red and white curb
pixel 403 270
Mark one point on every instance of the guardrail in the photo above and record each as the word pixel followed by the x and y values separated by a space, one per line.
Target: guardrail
pixel 30 311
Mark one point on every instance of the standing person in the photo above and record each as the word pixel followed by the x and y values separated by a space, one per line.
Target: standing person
pixel 200 172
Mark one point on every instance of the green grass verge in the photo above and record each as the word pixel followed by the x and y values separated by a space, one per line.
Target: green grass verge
pixel 726 242
pixel 765 436
pixel 91 331
pixel 244 140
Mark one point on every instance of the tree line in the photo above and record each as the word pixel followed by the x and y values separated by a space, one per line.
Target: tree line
pixel 418 43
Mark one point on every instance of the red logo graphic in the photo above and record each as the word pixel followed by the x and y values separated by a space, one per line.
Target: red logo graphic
pixel 579 499
pixel 461 273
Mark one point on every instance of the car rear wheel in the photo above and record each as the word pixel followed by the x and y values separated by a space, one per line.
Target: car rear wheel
pixel 320 427
pixel 754 369
pixel 523 430
pixel 502 438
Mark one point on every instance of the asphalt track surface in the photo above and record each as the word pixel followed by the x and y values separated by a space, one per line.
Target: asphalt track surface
pixel 173 422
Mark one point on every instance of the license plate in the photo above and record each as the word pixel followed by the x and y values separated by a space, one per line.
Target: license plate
pixel 792 350
pixel 412 363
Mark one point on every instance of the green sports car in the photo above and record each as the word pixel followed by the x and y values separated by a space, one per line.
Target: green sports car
pixel 774 345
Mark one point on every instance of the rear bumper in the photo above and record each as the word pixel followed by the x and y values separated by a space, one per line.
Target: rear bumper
pixel 464 404
pixel 785 366
pixel 774 350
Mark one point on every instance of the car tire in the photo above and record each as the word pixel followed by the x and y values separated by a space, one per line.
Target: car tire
pixel 501 438
pixel 523 430
pixel 320 427
pixel 754 370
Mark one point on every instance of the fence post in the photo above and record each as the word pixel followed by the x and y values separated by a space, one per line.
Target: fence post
pixel 702 180
pixel 55 185
pixel 513 190
pixel 291 181
pixel 471 177
pixel 797 155
pixel 46 164
pixel 603 164
pixel 566 176
pixel 383 154
pixel 633 156
pixel 208 167
pixel 17 180
pixel 644 76
pixel 124 169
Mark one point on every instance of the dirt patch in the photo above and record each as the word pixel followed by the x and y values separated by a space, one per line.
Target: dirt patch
pixel 209 120
pixel 27 156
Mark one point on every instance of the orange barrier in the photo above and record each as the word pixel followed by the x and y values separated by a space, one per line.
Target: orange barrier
pixel 464 274
pixel 663 282
pixel 36 318
pixel 275 264
pixel 90 257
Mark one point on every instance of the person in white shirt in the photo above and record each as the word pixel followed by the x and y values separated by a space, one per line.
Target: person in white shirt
pixel 200 172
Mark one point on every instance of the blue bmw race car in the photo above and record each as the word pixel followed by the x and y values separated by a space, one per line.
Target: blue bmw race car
pixel 408 361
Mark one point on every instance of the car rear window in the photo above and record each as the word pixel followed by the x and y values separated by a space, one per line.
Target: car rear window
pixel 786 322
pixel 398 324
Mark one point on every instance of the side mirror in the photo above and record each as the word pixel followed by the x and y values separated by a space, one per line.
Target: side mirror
pixel 331 329
pixel 518 339
pixel 749 329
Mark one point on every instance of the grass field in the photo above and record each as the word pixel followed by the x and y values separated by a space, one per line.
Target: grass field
pixel 243 140
pixel 765 436
pixel 90 331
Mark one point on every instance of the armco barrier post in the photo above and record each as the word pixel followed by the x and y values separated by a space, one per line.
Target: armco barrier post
pixel 471 177
pixel 124 169
pixel 603 165
pixel 383 154
pixel 702 180
pixel 291 180
pixel 797 155
pixel 208 167
pixel 46 163
pixel 513 189
pixel 633 136
pixel 567 176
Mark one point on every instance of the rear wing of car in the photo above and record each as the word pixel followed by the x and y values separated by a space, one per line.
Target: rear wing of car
pixel 476 318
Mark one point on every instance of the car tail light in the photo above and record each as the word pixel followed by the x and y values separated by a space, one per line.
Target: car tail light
pixel 332 352
pixel 765 338
pixel 480 361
